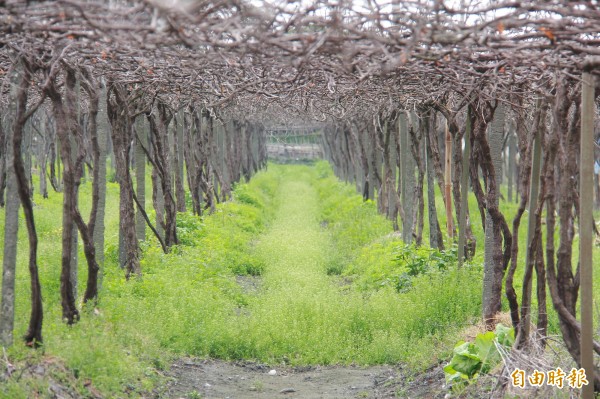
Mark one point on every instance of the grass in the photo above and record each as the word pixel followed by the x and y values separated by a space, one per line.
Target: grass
pixel 121 348
pixel 336 288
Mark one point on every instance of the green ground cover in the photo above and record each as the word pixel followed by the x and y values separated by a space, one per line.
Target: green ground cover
pixel 335 286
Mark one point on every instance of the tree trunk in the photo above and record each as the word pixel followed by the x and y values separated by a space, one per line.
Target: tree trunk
pixel 492 281
pixel 436 239
pixel 121 133
pixel 203 161
pixel 533 232
pixel 435 233
pixel 33 336
pixel 525 147
pixel 364 162
pixel 415 133
pixel 87 230
pixel 64 128
pixel 561 148
pixel 496 229
pixel 376 165
pixel 436 157
pixel 160 124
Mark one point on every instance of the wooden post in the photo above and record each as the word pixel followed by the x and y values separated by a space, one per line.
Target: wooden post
pixel 75 233
pixel 103 135
pixel 464 191
pixel 448 185
pixel 586 184
pixel 534 189
pixel 140 176
pixel 11 228
pixel 512 152
pixel 407 180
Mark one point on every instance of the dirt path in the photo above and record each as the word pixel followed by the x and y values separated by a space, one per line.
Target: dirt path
pixel 217 379
pixel 296 310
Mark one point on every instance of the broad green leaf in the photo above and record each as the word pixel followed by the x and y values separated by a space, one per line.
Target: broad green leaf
pixel 505 335
pixel 465 359
pixel 487 350
pixel 453 377
pixel 467 349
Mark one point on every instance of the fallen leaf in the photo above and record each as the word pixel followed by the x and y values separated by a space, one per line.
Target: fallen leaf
pixel 548 33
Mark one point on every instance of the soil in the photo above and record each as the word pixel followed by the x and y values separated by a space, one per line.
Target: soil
pixel 250 284
pixel 246 380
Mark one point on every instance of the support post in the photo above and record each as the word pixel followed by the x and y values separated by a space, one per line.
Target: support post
pixel 448 184
pixel 464 191
pixel 586 184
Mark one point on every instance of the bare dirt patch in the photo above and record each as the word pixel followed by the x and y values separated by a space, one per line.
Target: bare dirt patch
pixel 250 284
pixel 220 379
